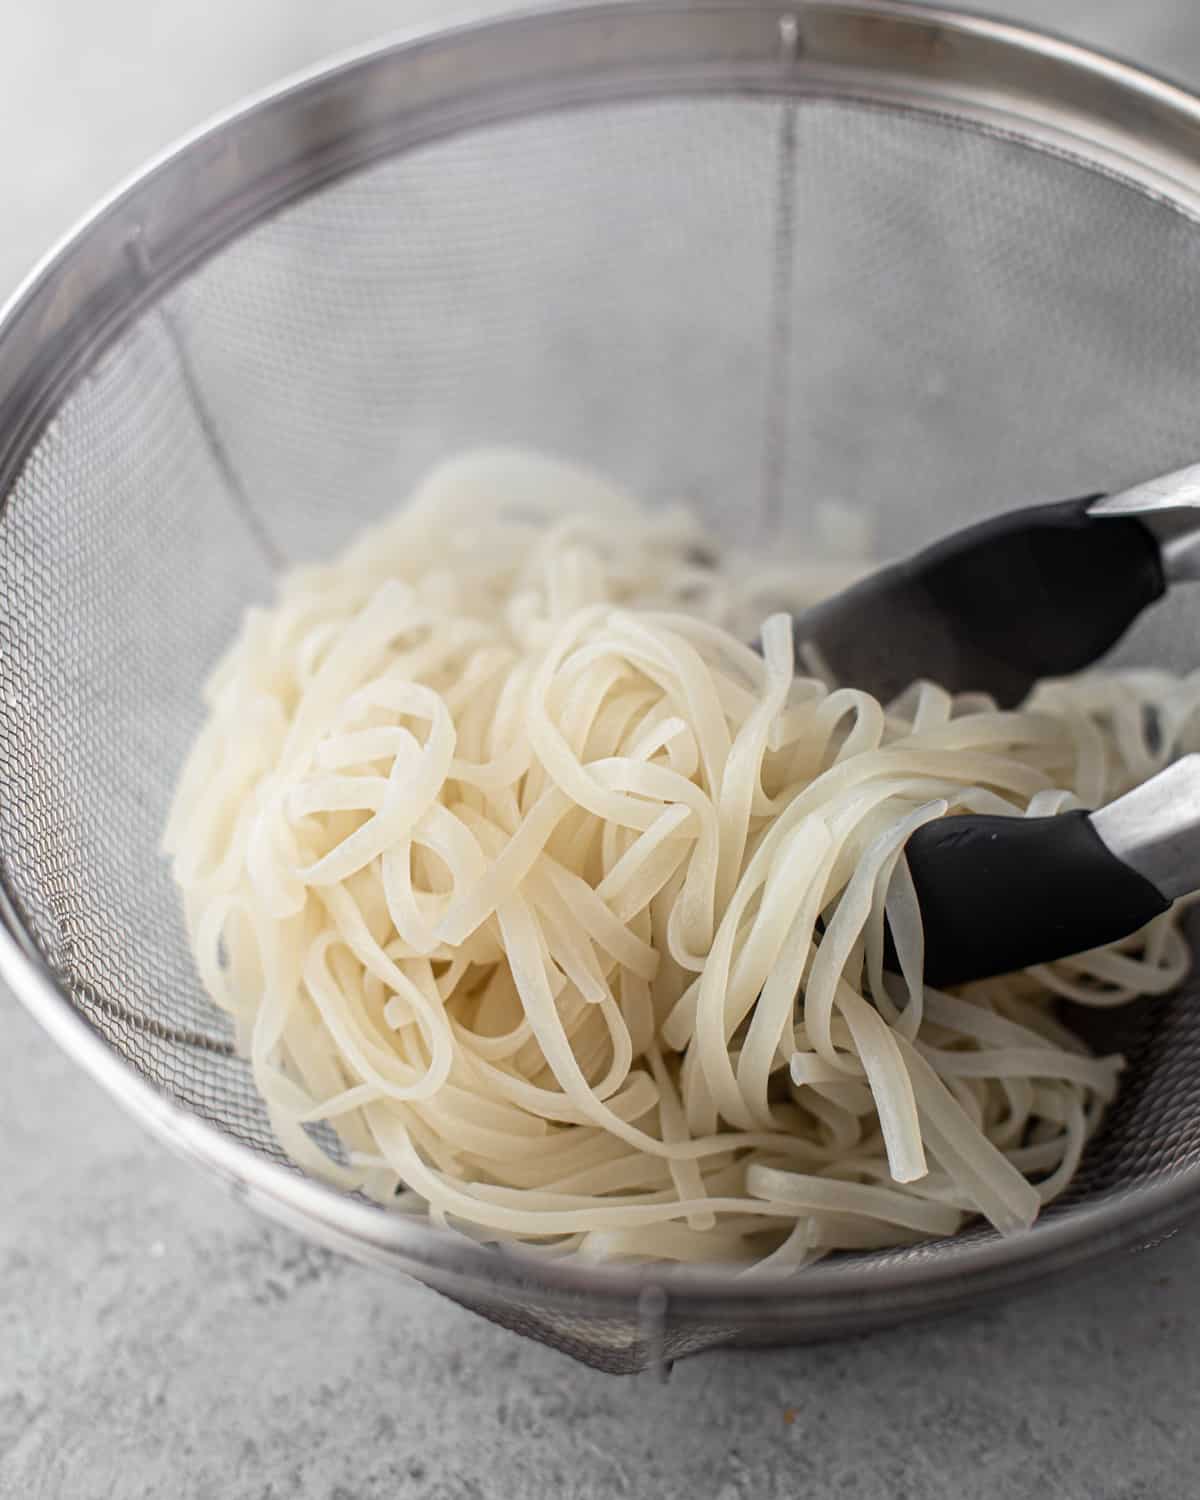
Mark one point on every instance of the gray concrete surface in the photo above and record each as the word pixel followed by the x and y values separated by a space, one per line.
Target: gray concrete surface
pixel 156 1341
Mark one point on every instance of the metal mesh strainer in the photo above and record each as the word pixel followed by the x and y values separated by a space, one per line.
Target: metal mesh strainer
pixel 755 254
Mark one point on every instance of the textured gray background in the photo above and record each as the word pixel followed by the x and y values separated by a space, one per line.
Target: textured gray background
pixel 156 1341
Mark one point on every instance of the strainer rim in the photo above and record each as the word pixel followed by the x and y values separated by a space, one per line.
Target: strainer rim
pixel 1139 1214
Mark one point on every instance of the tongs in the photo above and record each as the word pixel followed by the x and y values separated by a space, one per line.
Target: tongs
pixel 1038 592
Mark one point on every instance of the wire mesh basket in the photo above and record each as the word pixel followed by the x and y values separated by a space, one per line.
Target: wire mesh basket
pixel 754 254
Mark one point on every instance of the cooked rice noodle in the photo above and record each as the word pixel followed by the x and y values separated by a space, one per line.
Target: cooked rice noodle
pixel 565 908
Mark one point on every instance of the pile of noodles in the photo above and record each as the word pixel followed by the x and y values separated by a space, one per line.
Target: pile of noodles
pixel 565 907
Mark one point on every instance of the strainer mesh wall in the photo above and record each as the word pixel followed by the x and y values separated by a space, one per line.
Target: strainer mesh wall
pixel 755 303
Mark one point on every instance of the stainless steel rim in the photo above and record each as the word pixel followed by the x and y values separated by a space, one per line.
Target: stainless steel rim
pixel 183 207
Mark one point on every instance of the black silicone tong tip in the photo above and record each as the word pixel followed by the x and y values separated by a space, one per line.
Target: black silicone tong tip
pixel 1040 592
pixel 1000 894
